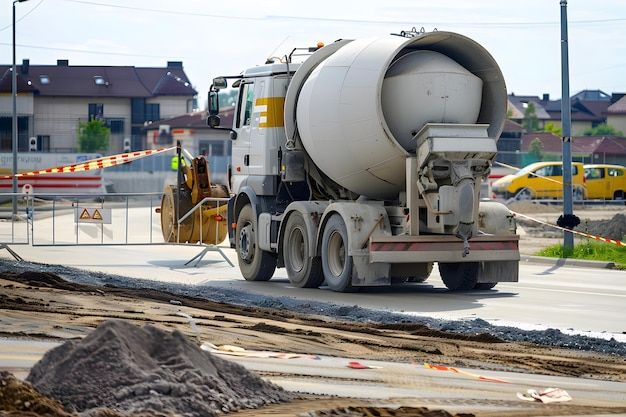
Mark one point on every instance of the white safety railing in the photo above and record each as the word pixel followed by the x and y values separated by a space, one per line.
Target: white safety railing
pixel 87 220
pixel 14 222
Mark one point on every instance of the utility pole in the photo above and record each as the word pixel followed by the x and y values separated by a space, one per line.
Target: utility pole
pixel 566 120
pixel 15 132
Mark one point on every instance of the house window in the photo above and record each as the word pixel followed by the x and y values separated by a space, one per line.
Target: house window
pixel 153 112
pixel 116 126
pixel 96 111
pixel 43 142
pixel 212 148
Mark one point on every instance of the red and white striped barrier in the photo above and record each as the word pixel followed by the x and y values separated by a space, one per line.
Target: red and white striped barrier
pixel 603 239
pixel 94 164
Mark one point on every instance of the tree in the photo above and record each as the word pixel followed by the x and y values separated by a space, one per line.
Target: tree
pixel 535 148
pixel 551 127
pixel 530 121
pixel 602 130
pixel 93 136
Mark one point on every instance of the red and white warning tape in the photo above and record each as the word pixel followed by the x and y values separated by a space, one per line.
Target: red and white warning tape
pixel 100 163
pixel 458 371
pixel 603 239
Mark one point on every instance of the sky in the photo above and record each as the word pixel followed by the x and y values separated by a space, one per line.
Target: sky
pixel 223 38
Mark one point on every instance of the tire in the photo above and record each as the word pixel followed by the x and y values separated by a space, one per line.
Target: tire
pixel 524 194
pixel 422 277
pixel 485 285
pixel 254 264
pixel 336 263
pixel 461 276
pixel 303 271
pixel 619 195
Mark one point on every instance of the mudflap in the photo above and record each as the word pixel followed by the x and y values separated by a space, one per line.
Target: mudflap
pixel 367 274
pixel 498 271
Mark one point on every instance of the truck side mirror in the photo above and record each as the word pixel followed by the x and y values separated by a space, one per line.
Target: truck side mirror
pixel 219 83
pixel 213 121
pixel 214 103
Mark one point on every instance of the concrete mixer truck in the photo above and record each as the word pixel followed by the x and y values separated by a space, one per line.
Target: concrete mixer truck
pixel 361 165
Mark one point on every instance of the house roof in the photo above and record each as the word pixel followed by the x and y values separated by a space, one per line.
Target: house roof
pixel 551 142
pixel 592 95
pixel 610 145
pixel 586 106
pixel 619 107
pixel 6 83
pixel 511 126
pixel 194 120
pixel 518 104
pixel 589 110
pixel 64 80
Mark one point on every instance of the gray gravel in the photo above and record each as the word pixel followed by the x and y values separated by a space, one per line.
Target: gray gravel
pixel 549 337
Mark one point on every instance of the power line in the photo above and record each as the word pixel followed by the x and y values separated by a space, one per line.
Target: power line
pixel 48 48
pixel 340 20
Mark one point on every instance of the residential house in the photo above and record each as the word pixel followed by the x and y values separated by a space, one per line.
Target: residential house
pixel 509 143
pixel 53 99
pixel 588 110
pixel 520 108
pixel 586 149
pixel 196 137
pixel 616 114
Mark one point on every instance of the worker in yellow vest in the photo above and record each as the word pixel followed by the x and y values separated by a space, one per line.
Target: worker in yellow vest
pixel 174 162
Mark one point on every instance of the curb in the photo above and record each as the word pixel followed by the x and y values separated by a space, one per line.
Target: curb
pixel 568 262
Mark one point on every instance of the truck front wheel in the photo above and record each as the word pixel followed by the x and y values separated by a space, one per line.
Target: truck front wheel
pixel 254 263
pixel 303 270
pixel 459 276
pixel 336 263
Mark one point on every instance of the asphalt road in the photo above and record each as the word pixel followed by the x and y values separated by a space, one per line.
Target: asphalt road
pixel 572 299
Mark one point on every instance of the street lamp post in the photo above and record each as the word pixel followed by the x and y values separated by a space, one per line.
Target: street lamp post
pixel 14 121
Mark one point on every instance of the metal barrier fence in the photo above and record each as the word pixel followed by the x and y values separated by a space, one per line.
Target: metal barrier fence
pixel 115 219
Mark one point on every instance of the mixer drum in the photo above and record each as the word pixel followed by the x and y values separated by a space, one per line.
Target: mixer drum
pixel 358 109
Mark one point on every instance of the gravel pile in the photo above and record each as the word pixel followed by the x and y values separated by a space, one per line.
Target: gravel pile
pixel 145 370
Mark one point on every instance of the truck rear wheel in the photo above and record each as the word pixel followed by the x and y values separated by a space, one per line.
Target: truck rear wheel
pixel 303 270
pixel 336 263
pixel 485 285
pixel 254 263
pixel 460 276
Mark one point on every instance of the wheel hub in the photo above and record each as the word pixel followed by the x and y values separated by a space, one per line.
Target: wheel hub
pixel 296 249
pixel 246 242
pixel 337 254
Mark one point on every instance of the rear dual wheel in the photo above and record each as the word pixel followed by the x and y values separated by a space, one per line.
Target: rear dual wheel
pixel 336 263
pixel 304 271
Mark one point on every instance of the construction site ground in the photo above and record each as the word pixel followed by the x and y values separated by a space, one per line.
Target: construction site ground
pixel 45 304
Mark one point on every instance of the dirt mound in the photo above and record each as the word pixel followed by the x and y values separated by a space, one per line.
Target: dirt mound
pixel 611 229
pixel 19 398
pixel 530 207
pixel 130 369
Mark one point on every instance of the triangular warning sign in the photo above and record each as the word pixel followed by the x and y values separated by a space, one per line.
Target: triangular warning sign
pixel 85 215
pixel 96 215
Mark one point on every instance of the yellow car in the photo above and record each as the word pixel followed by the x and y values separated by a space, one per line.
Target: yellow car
pixel 540 180
pixel 607 182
